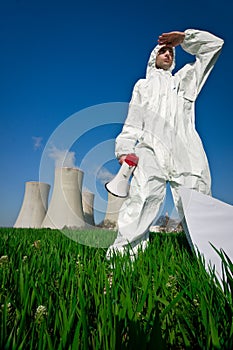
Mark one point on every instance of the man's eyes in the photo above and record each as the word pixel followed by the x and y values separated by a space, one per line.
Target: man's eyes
pixel 163 51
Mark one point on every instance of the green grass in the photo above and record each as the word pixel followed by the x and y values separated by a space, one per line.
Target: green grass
pixel 59 294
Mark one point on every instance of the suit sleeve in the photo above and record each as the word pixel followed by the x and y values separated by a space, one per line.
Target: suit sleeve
pixel 206 47
pixel 132 129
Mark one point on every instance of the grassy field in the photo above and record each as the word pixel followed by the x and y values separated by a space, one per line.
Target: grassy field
pixel 58 294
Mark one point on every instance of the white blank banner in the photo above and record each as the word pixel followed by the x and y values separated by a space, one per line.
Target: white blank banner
pixel 209 221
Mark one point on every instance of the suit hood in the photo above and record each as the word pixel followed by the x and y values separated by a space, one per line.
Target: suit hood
pixel 152 59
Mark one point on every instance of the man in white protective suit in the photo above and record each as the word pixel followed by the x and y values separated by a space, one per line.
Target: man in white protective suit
pixel 160 130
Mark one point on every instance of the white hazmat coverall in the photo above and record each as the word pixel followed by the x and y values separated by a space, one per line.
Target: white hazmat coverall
pixel 160 130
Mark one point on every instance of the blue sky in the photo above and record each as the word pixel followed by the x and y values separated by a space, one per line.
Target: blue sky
pixel 61 59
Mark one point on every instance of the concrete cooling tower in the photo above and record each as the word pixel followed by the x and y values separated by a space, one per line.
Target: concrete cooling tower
pixel 34 206
pixel 65 208
pixel 112 212
pixel 88 202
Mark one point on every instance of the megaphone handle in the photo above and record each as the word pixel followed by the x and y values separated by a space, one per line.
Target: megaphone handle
pixel 126 169
pixel 131 159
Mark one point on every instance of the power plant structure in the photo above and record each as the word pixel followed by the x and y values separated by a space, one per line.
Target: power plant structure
pixel 112 211
pixel 65 209
pixel 69 207
pixel 34 206
pixel 88 204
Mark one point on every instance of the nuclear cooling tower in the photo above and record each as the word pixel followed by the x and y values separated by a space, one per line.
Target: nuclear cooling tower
pixel 87 202
pixel 34 206
pixel 65 208
pixel 113 208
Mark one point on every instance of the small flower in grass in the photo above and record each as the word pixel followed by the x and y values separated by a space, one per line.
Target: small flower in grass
pixel 171 281
pixel 10 313
pixel 79 264
pixel 196 302
pixel 25 258
pixel 153 282
pixel 56 283
pixel 8 307
pixel 172 285
pixel 109 281
pixel 40 314
pixel 36 244
pixel 4 260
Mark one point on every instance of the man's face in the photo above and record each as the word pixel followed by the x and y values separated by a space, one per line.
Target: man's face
pixel 164 58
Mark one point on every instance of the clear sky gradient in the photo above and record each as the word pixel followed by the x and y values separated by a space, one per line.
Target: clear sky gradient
pixel 61 57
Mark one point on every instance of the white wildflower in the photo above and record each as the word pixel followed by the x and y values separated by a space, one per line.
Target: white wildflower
pixel 4 259
pixel 36 244
pixel 79 264
pixel 110 276
pixel 196 302
pixel 41 313
pixel 9 307
pixel 172 281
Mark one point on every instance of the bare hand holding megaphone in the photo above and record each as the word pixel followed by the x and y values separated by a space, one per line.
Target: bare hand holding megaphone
pixel 119 186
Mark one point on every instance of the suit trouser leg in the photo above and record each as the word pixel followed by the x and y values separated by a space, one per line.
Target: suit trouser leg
pixel 140 209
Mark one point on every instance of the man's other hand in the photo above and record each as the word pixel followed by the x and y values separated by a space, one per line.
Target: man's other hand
pixel 171 39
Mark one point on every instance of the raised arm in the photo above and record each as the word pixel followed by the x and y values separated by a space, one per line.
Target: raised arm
pixel 206 47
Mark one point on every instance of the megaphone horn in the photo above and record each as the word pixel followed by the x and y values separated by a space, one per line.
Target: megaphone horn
pixel 119 185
